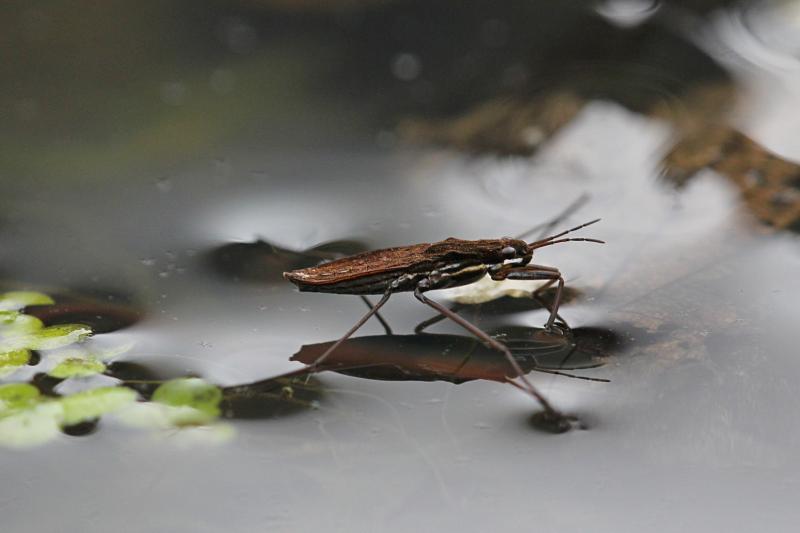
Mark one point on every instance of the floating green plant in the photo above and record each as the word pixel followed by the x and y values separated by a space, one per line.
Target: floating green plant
pixel 14 322
pixel 35 424
pixel 77 367
pixel 91 404
pixel 27 418
pixel 193 401
pixel 11 360
pixel 20 333
pixel 53 337
pixel 15 300
pixel 17 396
pixel 34 413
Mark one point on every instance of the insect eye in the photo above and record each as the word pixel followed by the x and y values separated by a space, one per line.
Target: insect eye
pixel 508 252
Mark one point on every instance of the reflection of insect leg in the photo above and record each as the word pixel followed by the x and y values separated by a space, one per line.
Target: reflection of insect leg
pixel 373 310
pixel 380 318
pixel 435 319
pixel 533 273
pixel 529 388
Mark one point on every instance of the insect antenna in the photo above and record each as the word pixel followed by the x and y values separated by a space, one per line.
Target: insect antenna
pixel 555 239
pixel 568 375
pixel 566 213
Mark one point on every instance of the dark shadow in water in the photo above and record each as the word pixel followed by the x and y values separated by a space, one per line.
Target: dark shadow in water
pixel 103 311
pixel 507 48
pixel 142 378
pixel 263 261
pixel 269 398
pixel 46 384
pixel 82 429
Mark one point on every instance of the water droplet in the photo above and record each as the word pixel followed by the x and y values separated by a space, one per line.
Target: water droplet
pixel 494 33
pixel 148 262
pixel 27 109
pixel 164 185
pixel 35 25
pixel 239 36
pixel 431 212
pixel 173 93
pixel 406 67
pixel 386 139
pixel 222 81
pixel 628 12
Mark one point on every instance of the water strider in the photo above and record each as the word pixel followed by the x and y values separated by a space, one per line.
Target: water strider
pixel 430 266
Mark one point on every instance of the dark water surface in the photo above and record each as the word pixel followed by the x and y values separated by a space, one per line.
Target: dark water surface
pixel 691 306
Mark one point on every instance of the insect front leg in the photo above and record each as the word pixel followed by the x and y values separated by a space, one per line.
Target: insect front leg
pixel 535 273
pixel 551 412
pixel 315 366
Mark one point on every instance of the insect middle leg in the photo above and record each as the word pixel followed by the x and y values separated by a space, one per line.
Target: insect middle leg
pixel 529 388
pixel 386 327
pixel 534 273
pixel 319 360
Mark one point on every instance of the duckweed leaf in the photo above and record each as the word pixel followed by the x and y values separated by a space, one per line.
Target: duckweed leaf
pixel 195 426
pixel 77 367
pixel 16 323
pixel 91 404
pixel 54 337
pixel 90 351
pixel 36 424
pixel 18 299
pixel 17 396
pixel 11 360
pixel 201 397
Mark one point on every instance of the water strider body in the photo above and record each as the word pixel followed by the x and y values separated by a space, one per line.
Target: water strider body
pixel 440 265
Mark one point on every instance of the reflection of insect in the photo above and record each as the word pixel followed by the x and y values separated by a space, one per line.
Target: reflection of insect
pixel 430 266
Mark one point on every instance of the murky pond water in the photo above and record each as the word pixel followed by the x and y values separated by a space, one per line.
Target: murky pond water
pixel 166 234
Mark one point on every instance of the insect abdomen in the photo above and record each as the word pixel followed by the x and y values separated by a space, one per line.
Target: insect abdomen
pixel 375 284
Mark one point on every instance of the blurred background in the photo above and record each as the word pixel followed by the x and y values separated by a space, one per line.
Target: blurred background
pixel 162 163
